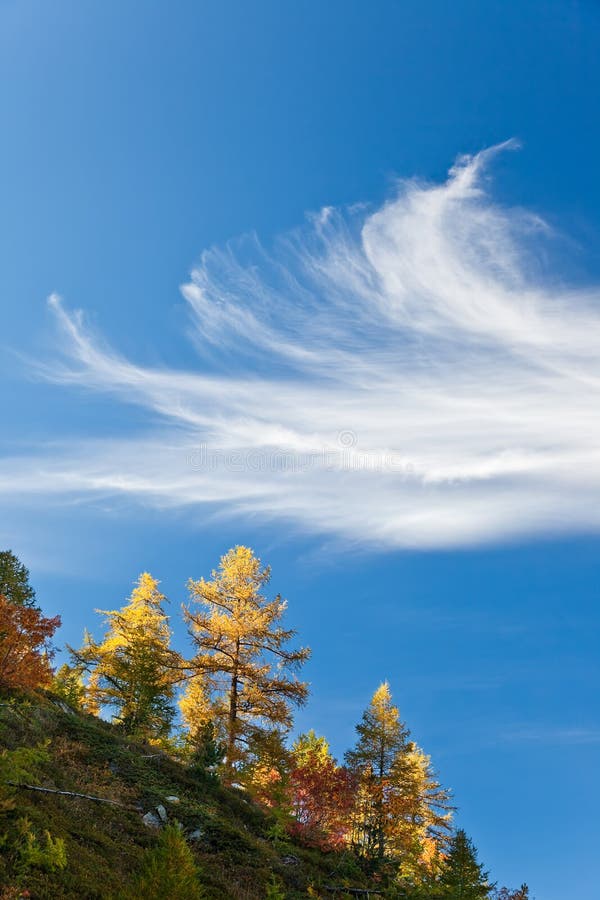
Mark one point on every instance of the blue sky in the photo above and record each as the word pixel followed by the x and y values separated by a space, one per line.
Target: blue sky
pixel 421 345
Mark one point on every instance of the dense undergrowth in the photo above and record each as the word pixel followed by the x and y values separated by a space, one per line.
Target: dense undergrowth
pixel 238 848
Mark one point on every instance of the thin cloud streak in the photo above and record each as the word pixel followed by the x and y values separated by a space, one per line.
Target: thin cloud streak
pixel 551 735
pixel 404 377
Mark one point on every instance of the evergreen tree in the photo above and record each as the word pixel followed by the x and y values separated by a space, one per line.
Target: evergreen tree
pixel 133 670
pixel 68 684
pixel 14 580
pixel 241 653
pixel 274 889
pixel 168 871
pixel 208 752
pixel 462 876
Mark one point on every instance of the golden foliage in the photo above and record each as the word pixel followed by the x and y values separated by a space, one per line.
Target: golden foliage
pixel 133 670
pixel 400 807
pixel 241 650
pixel 196 708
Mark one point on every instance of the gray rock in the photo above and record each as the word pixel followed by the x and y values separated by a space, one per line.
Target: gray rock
pixel 290 860
pixel 66 707
pixel 172 799
pixel 161 812
pixel 195 835
pixel 151 820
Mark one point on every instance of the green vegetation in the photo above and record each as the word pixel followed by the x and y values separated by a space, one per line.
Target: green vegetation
pixel 14 580
pixel 109 850
pixel 225 806
pixel 168 870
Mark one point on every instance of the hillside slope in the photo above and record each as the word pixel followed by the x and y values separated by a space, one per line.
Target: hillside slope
pixel 234 842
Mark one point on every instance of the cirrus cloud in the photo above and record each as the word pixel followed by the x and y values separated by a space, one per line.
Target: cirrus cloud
pixel 408 376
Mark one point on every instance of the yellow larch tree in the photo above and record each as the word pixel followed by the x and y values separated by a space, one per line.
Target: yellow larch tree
pixel 420 814
pixel 381 737
pixel 201 728
pixel 132 672
pixel 401 810
pixel 196 709
pixel 242 654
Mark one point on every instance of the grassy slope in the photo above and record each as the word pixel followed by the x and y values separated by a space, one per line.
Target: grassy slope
pixel 105 844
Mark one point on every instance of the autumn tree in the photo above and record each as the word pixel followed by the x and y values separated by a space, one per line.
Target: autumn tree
pixel 242 653
pixel 381 738
pixel 420 813
pixel 68 684
pixel 14 580
pixel 265 773
pixel 462 875
pixel 25 648
pixel 322 794
pixel 505 893
pixel 203 737
pixel 133 670
pixel 196 708
pixel 25 633
pixel 401 810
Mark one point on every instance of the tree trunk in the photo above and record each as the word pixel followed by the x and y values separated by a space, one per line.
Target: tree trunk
pixel 380 805
pixel 233 706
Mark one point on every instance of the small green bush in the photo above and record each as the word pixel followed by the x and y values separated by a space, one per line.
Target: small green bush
pixel 50 855
pixel 274 890
pixel 168 870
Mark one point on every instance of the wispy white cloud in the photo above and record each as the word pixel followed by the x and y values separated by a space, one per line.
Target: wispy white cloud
pixel 533 734
pixel 410 376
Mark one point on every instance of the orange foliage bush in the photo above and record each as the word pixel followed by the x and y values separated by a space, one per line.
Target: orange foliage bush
pixel 322 799
pixel 25 651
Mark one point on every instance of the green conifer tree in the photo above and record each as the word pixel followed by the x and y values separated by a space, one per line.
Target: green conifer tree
pixel 168 871
pixel 14 580
pixel 68 684
pixel 462 876
pixel 274 889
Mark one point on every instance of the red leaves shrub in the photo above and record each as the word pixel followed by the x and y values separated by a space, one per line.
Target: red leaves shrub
pixel 25 650
pixel 322 799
